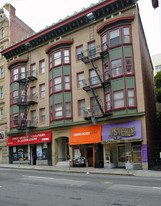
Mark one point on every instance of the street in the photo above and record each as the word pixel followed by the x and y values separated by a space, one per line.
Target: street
pixel 45 188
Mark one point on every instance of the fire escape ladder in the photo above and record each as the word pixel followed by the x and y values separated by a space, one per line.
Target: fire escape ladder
pixel 98 100
pixel 91 32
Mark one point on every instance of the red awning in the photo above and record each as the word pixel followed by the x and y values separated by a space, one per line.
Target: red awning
pixel 32 139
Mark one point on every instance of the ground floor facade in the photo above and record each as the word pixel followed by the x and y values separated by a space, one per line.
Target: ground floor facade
pixel 111 144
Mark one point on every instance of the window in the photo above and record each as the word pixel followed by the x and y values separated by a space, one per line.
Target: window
pixel 129 65
pixel 158 68
pixel 93 77
pixel 126 35
pixel 51 86
pixel 131 98
pixel 42 66
pixel 118 99
pixel 51 61
pixel 42 115
pixel 42 91
pixel 66 56
pixel 114 37
pixel 80 80
pixel 67 109
pixel 57 84
pixel 104 42
pixel 15 74
pixel 23 119
pixel 67 82
pixel 116 68
pixel 81 107
pixel 33 117
pixel 108 102
pixel 33 70
pixel 79 52
pixel 1 92
pixel 15 97
pixel 94 106
pixel 15 120
pixel 92 48
pixel 51 113
pixel 33 93
pixel 1 113
pixel 1 72
pixel 1 48
pixel 106 71
pixel 58 111
pixel 23 95
pixel 57 58
pixel 22 73
pixel 2 32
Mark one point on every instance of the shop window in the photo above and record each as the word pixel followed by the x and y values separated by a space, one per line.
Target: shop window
pixel 80 80
pixel 116 67
pixel 91 48
pixel 33 70
pixel 68 109
pixel 1 72
pixel 126 35
pixel 129 65
pixel 42 151
pixel 115 38
pixel 104 42
pixel 93 77
pixel 58 111
pixel 42 66
pixel 79 51
pixel 42 91
pixel 1 113
pixel 66 56
pixel 20 153
pixel 1 92
pixel 81 107
pixel 42 115
pixel 119 99
pixel 67 82
pixel 131 98
pixel 108 102
pixel 57 84
pixel 57 58
pixel 106 71
pixel 94 106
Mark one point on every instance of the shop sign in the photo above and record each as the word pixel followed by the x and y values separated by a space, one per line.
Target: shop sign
pixel 128 131
pixel 30 139
pixel 2 133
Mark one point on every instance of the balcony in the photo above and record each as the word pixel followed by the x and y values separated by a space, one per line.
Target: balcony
pixel 32 99
pixel 96 82
pixel 32 124
pixel 23 124
pixel 93 54
pixel 21 101
pixel 32 75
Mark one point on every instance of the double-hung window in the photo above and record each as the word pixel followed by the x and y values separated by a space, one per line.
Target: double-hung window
pixel 15 74
pixel 15 96
pixel 66 56
pixel 92 48
pixel 42 91
pixel 94 106
pixel 81 107
pixel 22 72
pixel 93 77
pixel 23 95
pixel 80 80
pixel 106 72
pixel 33 70
pixel 129 65
pixel 1 113
pixel 33 93
pixel 15 120
pixel 57 84
pixel 1 92
pixel 2 33
pixel 33 117
pixel 115 37
pixel 126 35
pixel 1 72
pixel 42 66
pixel 119 99
pixel 131 98
pixel 79 52
pixel 57 58
pixel 108 102
pixel 58 111
pixel 42 115
pixel 116 67
pixel 68 109
pixel 67 82
pixel 104 42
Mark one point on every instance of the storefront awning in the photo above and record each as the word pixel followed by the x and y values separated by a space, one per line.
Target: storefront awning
pixel 32 139
pixel 122 132
pixel 86 135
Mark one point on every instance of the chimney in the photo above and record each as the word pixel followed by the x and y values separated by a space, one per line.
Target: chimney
pixel 10 9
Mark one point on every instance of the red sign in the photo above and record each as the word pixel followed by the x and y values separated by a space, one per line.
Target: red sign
pixel 32 139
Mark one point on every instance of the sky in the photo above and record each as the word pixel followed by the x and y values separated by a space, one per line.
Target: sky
pixel 41 13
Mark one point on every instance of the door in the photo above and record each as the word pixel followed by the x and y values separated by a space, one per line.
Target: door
pixel 121 155
pixel 89 150
pixel 33 152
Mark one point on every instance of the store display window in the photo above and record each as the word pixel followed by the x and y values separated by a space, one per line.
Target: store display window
pixel 20 153
pixel 41 151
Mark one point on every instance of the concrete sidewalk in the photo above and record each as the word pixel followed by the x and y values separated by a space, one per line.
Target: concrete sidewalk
pixel 116 171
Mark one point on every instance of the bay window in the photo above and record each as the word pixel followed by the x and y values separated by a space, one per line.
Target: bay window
pixel 68 109
pixel 131 98
pixel 57 58
pixel 58 111
pixel 57 84
pixel 104 42
pixel 67 82
pixel 129 65
pixel 66 56
pixel 119 99
pixel 115 37
pixel 126 35
pixel 116 67
pixel 108 102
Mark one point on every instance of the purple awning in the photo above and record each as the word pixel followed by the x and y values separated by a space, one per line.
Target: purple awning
pixel 127 131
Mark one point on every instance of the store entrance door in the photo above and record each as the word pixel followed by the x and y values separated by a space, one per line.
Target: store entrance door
pixel 89 150
pixel 121 155
pixel 33 154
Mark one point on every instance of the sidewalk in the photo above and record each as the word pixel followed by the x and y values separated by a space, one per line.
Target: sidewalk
pixel 116 171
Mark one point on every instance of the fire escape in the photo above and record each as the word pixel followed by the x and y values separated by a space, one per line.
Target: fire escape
pixel 97 81
pixel 24 102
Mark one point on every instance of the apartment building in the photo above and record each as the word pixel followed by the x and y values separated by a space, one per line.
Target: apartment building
pixel 82 90
pixel 12 29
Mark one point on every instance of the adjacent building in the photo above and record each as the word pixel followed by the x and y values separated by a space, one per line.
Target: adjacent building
pixel 12 29
pixel 82 90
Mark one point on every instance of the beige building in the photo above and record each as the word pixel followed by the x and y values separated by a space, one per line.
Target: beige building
pixel 12 29
pixel 80 89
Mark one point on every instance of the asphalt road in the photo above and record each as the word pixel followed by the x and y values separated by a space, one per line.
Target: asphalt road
pixel 42 188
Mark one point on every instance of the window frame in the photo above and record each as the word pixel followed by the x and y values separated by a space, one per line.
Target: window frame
pixel 42 115
pixel 33 118
pixel 64 56
pixel 106 103
pixel 1 113
pixel 67 83
pixel 58 58
pixel 132 97
pixel 94 106
pixel 42 92
pixel 114 100
pixel 92 52
pixel 33 94
pixel 55 85
pixel 79 86
pixel 33 69
pixel 126 65
pixel 112 68
pixel 42 66
pixel 68 110
pixel 1 92
pixel 93 79
pixel 104 43
pixel 117 44
pixel 80 108
pixel 1 72
pixel 79 54
pixel 55 116
pixel 129 35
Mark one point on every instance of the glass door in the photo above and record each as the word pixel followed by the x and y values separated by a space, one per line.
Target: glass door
pixel 121 155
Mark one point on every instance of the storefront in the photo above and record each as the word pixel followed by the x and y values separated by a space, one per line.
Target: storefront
pixel 35 149
pixel 123 145
pixel 86 146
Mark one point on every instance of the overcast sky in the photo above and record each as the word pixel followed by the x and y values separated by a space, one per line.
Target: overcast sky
pixel 38 14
